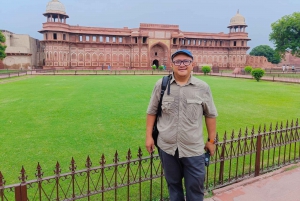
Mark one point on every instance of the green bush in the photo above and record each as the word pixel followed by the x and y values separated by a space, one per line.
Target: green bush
pixel 248 69
pixel 257 73
pixel 154 67
pixel 206 69
pixel 161 67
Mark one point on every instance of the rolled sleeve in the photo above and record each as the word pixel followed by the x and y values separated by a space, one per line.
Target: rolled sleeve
pixel 154 100
pixel 209 108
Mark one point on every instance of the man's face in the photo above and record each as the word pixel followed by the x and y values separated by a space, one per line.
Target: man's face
pixel 185 67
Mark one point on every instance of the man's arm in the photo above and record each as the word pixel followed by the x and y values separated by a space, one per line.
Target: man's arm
pixel 211 124
pixel 149 127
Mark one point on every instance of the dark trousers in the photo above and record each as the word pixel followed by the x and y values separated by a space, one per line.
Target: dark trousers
pixel 192 169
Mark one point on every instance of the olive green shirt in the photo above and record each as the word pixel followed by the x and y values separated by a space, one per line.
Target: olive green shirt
pixel 181 123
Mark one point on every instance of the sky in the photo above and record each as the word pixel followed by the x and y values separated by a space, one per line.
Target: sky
pixel 213 16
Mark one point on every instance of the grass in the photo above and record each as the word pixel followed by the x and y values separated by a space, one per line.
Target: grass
pixel 49 119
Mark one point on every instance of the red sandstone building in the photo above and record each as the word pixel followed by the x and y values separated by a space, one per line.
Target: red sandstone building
pixel 68 46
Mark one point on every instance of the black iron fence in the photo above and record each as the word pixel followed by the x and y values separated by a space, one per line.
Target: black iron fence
pixel 238 156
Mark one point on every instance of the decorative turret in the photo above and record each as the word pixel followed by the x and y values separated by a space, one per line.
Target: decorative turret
pixel 237 23
pixel 55 12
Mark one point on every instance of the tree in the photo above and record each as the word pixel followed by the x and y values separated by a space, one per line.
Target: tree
pixel 286 34
pixel 266 51
pixel 2 46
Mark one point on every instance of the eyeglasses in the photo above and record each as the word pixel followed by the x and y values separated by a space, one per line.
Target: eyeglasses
pixel 179 62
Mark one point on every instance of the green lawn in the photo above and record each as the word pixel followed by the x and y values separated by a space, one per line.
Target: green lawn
pixel 52 118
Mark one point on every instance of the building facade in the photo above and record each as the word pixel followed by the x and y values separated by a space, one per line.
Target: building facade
pixel 68 46
pixel 22 52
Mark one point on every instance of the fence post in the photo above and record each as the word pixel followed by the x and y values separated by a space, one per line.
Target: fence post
pixel 21 190
pixel 257 158
pixel 2 182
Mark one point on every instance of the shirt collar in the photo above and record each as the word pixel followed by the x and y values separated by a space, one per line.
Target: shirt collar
pixel 192 80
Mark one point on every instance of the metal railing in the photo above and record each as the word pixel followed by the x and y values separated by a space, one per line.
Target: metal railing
pixel 237 157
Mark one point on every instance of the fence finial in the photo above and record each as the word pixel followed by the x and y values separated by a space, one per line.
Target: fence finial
pixel 129 156
pixel 102 161
pixel 57 170
pixel 246 132
pixel 252 131
pixel 2 181
pixel 39 173
pixel 88 163
pixel 225 136
pixel 240 133
pixel 140 153
pixel 232 135
pixel 271 127
pixel 116 159
pixel 23 176
pixel 73 165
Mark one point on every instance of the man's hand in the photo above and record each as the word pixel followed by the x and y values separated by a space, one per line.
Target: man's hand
pixel 150 145
pixel 210 147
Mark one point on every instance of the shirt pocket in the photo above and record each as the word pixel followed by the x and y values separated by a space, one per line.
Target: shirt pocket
pixel 194 109
pixel 167 105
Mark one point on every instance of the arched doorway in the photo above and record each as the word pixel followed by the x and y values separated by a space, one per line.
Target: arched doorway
pixel 159 54
pixel 155 62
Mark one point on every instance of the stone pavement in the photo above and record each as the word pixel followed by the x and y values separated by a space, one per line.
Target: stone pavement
pixel 279 185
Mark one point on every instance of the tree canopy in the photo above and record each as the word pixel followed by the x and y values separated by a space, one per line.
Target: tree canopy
pixel 266 51
pixel 2 46
pixel 286 34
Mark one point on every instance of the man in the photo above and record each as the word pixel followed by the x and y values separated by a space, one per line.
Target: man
pixel 180 139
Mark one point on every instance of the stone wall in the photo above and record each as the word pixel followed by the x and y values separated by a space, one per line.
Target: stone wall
pixel 290 60
pixel 258 62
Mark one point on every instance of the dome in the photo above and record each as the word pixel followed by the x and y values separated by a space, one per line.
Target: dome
pixel 238 19
pixel 55 6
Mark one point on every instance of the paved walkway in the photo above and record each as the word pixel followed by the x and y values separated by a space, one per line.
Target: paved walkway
pixel 265 77
pixel 280 185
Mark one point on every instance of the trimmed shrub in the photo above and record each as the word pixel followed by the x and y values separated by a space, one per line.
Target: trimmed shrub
pixel 154 67
pixel 206 69
pixel 248 69
pixel 257 73
pixel 161 67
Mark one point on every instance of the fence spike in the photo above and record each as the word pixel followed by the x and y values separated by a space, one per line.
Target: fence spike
pixel 276 127
pixel 259 129
pixel 287 124
pixel 240 133
pixel 88 163
pixel 281 126
pixel 116 159
pixel 246 132
pixel 102 161
pixel 57 170
pixel 140 153
pixel 39 173
pixel 265 128
pixel 252 131
pixel 23 176
pixel 73 165
pixel 129 156
pixel 2 181
pixel 271 127
pixel 292 123
pixel 225 136
pixel 232 135
pixel 217 137
pixel 296 122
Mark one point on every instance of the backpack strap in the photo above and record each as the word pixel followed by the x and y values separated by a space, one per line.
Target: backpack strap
pixel 164 84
